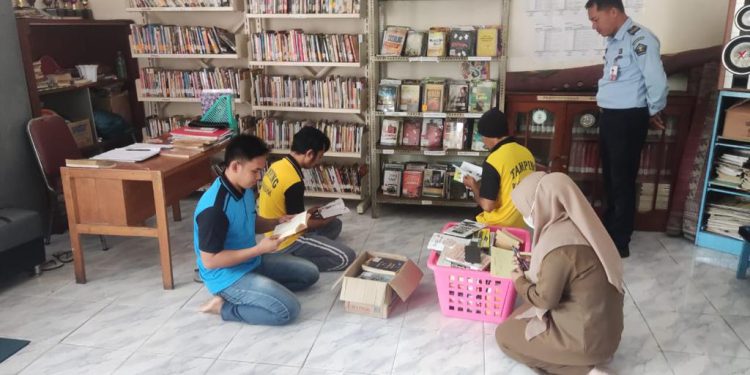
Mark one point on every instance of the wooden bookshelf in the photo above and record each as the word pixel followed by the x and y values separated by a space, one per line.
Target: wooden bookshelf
pixel 181 9
pixel 309 64
pixel 429 114
pixel 334 16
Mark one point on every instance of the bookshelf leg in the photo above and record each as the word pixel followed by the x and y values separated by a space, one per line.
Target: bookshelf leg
pixel 375 210
pixel 363 206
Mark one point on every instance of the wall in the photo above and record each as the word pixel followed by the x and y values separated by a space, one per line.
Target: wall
pixel 21 184
pixel 680 24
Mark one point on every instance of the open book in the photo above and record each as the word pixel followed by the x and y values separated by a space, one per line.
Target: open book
pixel 467 169
pixel 334 208
pixel 292 227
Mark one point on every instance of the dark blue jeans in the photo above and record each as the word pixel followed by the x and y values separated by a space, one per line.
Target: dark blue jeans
pixel 264 296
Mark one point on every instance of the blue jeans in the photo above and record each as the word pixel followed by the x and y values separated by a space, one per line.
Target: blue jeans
pixel 264 296
pixel 321 248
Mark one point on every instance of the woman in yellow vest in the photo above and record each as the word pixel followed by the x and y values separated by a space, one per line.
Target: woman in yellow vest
pixel 508 163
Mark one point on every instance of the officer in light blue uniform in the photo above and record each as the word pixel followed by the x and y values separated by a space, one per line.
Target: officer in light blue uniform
pixel 632 94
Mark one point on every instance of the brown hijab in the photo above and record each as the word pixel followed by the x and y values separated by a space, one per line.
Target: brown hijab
pixel 561 216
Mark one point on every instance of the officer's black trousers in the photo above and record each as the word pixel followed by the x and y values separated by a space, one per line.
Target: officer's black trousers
pixel 622 133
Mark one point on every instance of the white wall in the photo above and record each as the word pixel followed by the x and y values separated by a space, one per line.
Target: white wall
pixel 680 24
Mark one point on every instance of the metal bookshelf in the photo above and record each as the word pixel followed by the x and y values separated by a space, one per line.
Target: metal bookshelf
pixel 157 105
pixel 378 70
pixel 257 23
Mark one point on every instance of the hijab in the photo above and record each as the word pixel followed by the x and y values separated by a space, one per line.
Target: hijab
pixel 561 216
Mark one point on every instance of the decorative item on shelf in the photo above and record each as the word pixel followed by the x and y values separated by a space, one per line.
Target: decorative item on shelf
pixel 736 53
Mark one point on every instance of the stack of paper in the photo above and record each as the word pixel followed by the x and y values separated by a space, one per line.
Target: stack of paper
pixel 128 154
pixel 727 215
pixel 730 168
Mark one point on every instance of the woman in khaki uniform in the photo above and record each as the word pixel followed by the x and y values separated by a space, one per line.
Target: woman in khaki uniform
pixel 572 318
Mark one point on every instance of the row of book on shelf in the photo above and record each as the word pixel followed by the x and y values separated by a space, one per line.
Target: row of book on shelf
pixel 726 214
pixel 157 126
pixel 178 3
pixel 732 169
pixel 431 133
pixel 159 82
pixel 332 92
pixel 462 41
pixel 331 178
pixel 171 39
pixel 436 95
pixel 653 196
pixel 303 6
pixel 584 158
pixel 421 180
pixel 278 133
pixel 297 46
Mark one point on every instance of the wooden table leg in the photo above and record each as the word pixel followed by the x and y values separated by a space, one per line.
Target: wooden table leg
pixel 71 206
pixel 176 213
pixel 162 227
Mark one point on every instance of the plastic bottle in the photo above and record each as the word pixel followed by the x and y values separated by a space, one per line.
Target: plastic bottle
pixel 120 69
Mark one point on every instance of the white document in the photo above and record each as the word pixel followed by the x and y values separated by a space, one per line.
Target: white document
pixel 143 146
pixel 334 208
pixel 292 227
pixel 440 241
pixel 128 155
pixel 467 169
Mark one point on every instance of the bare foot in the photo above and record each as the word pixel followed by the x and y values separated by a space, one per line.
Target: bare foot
pixel 213 306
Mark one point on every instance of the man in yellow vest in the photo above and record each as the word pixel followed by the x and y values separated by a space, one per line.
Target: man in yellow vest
pixel 508 163
pixel 282 192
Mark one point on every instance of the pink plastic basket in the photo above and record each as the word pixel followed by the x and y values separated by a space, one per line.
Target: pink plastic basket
pixel 475 295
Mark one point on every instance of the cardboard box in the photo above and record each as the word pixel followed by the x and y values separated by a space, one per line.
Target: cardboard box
pixel 377 298
pixel 82 132
pixel 737 121
pixel 118 103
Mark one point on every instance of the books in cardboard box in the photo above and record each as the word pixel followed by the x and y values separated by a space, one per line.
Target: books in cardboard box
pixel 389 131
pixel 411 133
pixel 383 265
pixel 432 132
pixel 462 41
pixel 415 43
pixel 392 179
pixel 393 40
pixel 412 180
pixel 453 135
pixel 410 91
pixel 388 95
pixel 458 96
pixel 433 182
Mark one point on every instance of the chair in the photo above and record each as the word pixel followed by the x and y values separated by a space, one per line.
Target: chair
pixel 53 143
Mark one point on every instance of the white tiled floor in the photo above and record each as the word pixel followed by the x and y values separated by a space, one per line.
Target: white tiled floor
pixel 685 313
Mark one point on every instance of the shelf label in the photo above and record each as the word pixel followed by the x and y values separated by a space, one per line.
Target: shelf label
pixel 427 203
pixel 468 153
pixel 388 151
pixel 399 114
pixel 423 59
pixel 480 58
pixel 434 153
pixel 434 114
pixel 472 115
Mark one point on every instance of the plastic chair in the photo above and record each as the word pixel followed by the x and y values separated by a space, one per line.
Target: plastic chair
pixel 53 143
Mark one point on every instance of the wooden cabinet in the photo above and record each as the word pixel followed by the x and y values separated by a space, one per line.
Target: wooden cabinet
pixel 563 134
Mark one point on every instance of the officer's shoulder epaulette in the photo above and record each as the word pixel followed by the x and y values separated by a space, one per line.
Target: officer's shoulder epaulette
pixel 634 29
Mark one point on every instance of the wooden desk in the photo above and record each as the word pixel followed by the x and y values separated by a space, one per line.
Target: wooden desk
pixel 118 200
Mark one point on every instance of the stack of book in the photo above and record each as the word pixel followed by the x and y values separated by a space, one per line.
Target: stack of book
pixel 171 39
pixel 334 179
pixel 297 46
pixel 178 3
pixel 727 215
pixel 159 82
pixel 436 95
pixel 303 6
pixel 416 180
pixel 584 158
pixel 42 82
pixel 278 133
pixel 198 138
pixel 333 92
pixel 731 169
pixel 157 126
pixel 462 41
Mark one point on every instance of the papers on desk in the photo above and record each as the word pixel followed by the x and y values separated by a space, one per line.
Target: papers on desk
pixel 292 227
pixel 128 154
pixel 334 208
